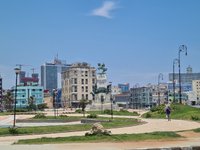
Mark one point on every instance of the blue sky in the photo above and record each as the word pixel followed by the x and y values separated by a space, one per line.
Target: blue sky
pixel 136 39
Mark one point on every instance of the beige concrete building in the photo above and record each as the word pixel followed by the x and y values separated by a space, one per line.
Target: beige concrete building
pixel 196 90
pixel 77 83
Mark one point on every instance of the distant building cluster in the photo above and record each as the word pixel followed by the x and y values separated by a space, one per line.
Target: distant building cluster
pixel 65 85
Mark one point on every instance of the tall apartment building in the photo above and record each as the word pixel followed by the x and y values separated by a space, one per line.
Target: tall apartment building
pixel 51 74
pixel 1 92
pixel 196 90
pixel 77 83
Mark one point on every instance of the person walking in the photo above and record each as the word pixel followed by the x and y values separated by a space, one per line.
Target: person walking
pixel 168 111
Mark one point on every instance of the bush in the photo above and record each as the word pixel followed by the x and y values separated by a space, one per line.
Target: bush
pixel 63 116
pixel 147 115
pixel 39 115
pixel 123 110
pixel 78 111
pixel 13 130
pixel 159 109
pixel 107 111
pixel 92 116
pixel 195 118
pixel 42 106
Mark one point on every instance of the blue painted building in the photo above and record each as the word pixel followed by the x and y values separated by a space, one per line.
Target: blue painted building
pixel 25 92
pixel 124 87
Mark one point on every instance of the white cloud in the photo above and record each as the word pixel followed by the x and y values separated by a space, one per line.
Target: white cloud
pixel 105 9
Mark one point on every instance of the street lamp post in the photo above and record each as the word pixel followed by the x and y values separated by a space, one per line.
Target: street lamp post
pixel 175 61
pixel 17 71
pixel 160 76
pixel 109 90
pixel 182 48
pixel 54 101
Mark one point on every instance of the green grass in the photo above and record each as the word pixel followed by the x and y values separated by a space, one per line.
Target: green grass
pixel 103 138
pixel 197 130
pixel 183 112
pixel 117 122
pixel 120 113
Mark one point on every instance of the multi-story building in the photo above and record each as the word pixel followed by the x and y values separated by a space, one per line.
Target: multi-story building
pixel 124 87
pixel 141 97
pixel 1 92
pixel 51 74
pixel 196 90
pixel 186 78
pixel 24 93
pixel 160 93
pixel 78 82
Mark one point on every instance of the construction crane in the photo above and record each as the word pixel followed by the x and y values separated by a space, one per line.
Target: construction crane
pixel 33 69
pixel 20 65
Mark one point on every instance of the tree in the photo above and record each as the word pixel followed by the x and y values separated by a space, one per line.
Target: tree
pixel 83 103
pixel 31 103
pixel 8 101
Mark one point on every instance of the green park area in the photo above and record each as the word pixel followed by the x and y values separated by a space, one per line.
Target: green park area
pixel 103 138
pixel 178 111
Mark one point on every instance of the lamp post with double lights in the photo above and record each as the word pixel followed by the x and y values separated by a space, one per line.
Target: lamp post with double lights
pixel 160 77
pixel 17 71
pixel 175 61
pixel 182 48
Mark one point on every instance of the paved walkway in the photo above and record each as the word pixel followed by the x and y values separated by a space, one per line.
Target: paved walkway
pixel 151 125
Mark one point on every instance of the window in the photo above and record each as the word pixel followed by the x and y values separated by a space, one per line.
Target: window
pixel 86 89
pixel 82 96
pixel 86 81
pixel 93 81
pixel 75 81
pixel 82 81
pixel 86 73
pixel 86 96
pixel 82 88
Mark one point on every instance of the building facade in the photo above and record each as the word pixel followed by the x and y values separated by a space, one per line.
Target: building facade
pixel 196 90
pixel 78 82
pixel 186 78
pixel 51 74
pixel 124 87
pixel 1 93
pixel 24 93
pixel 141 97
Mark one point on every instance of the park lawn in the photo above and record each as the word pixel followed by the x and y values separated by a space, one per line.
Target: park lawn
pixel 197 130
pixel 119 113
pixel 103 138
pixel 117 122
pixel 179 111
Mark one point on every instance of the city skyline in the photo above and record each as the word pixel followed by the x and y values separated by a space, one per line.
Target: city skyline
pixel 136 39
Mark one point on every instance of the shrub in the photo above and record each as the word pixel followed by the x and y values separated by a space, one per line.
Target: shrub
pixel 13 130
pixel 78 111
pixel 159 109
pixel 193 117
pixel 147 115
pixel 107 111
pixel 39 115
pixel 63 116
pixel 92 116
pixel 42 106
